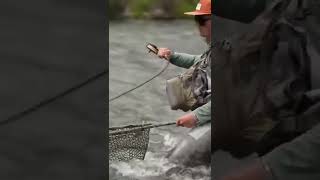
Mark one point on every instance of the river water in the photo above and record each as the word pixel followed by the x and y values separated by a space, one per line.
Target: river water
pixel 129 65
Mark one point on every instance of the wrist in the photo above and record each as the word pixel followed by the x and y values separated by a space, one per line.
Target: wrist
pixel 195 118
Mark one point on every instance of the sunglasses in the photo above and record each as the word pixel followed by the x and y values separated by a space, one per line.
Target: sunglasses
pixel 201 20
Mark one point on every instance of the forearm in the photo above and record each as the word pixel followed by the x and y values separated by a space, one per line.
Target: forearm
pixel 203 113
pixel 183 60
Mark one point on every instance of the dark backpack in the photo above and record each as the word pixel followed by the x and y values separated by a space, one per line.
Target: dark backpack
pixel 261 78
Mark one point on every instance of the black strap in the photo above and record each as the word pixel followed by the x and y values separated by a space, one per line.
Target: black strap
pixel 302 10
pixel 314 67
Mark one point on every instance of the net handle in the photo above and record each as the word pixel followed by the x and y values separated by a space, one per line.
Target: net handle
pixel 160 125
pixel 149 126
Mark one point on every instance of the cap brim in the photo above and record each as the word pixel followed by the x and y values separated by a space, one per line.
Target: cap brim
pixel 197 13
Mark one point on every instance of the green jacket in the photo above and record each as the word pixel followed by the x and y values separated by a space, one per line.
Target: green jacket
pixel 183 60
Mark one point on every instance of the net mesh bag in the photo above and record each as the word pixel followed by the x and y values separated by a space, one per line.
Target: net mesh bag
pixel 129 142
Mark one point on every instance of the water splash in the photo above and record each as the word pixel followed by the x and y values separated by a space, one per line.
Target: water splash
pixel 156 166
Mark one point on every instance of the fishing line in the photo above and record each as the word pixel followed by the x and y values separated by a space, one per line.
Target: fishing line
pixel 130 90
pixel 47 101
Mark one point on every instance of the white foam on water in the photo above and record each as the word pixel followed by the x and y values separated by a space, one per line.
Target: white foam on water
pixel 151 166
pixel 196 173
pixel 170 141
pixel 156 165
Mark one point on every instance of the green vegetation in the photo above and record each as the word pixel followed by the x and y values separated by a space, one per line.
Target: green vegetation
pixel 186 5
pixel 139 8
pixel 150 8
pixel 115 8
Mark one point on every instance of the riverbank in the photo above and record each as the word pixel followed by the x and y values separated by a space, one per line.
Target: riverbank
pixel 146 9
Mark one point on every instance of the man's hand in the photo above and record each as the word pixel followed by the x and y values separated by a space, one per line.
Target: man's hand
pixel 164 53
pixel 188 121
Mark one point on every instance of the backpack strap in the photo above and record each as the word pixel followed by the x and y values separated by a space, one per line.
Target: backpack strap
pixel 314 67
pixel 302 10
pixel 200 73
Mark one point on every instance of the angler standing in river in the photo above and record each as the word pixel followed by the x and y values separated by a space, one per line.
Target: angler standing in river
pixel 193 88
pixel 202 113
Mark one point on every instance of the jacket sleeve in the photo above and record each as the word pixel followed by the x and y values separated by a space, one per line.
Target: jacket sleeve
pixel 203 113
pixel 184 60
pixel 298 159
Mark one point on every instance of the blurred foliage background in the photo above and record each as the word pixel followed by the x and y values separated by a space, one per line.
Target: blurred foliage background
pixel 150 9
